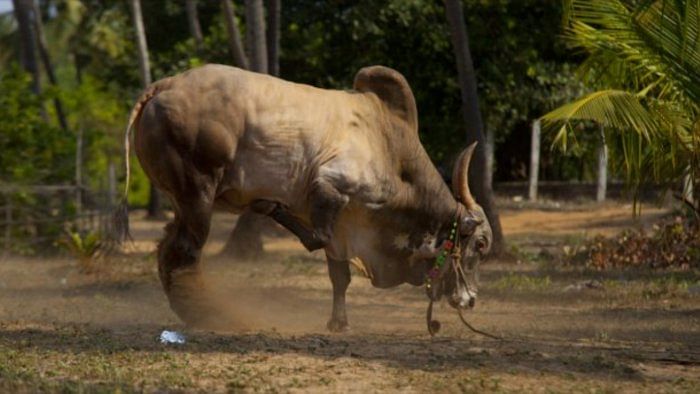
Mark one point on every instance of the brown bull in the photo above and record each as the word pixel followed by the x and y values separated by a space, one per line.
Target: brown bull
pixel 343 170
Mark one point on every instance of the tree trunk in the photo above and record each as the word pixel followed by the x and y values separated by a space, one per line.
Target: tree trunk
pixel 534 161
pixel 195 27
pixel 155 209
pixel 48 66
pixel 23 13
pixel 602 183
pixel 235 45
pixel 472 117
pixel 245 241
pixel 490 157
pixel 273 36
pixel 255 35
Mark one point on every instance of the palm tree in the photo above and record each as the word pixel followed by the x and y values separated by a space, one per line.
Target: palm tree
pixel 472 117
pixel 644 56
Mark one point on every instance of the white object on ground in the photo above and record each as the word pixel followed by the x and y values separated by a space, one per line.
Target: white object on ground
pixel 169 337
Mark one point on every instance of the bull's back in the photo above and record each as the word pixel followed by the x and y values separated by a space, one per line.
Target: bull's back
pixel 268 137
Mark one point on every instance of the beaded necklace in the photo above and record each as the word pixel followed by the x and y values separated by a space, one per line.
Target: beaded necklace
pixel 447 246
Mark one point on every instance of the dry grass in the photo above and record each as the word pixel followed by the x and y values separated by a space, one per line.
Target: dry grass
pixel 62 331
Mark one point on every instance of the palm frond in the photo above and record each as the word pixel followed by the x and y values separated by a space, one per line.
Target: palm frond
pixel 611 108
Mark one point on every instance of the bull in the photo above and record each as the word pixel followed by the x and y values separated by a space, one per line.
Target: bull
pixel 344 171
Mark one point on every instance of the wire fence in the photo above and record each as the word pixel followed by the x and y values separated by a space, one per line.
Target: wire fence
pixel 34 217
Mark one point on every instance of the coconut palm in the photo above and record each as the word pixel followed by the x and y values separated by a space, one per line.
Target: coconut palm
pixel 644 56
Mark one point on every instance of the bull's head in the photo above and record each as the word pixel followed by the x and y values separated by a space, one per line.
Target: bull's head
pixel 463 243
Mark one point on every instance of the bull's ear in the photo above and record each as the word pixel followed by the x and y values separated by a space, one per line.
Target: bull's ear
pixel 391 87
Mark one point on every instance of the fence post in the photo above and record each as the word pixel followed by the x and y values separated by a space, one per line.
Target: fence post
pixel 602 167
pixel 534 160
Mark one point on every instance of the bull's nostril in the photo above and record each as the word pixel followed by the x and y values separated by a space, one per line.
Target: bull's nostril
pixel 472 301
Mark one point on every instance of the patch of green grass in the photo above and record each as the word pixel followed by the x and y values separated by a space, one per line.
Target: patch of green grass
pixel 652 288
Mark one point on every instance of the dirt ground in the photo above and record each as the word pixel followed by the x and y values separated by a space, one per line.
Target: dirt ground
pixel 565 329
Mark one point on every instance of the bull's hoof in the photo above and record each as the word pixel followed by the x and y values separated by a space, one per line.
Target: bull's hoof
pixel 334 325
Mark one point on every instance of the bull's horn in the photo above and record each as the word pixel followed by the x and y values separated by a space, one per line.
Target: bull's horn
pixel 460 177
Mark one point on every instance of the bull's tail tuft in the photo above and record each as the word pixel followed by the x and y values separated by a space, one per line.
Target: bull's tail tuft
pixel 120 222
pixel 120 217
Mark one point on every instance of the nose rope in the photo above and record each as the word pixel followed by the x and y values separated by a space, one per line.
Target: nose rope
pixel 435 273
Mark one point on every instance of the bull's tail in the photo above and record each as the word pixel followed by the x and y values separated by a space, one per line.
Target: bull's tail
pixel 120 219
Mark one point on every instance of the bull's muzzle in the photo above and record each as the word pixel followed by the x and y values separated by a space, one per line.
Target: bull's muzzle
pixel 462 298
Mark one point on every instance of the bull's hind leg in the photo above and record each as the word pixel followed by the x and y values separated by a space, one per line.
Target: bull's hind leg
pixel 339 272
pixel 179 264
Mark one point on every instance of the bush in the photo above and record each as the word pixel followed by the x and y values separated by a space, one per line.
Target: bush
pixel 674 243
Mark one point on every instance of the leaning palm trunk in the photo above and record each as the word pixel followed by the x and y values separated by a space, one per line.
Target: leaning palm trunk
pixel 48 66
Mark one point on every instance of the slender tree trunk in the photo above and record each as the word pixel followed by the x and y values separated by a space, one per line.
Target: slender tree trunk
pixel 48 66
pixel 490 157
pixel 255 35
pixel 602 181
pixel 23 13
pixel 193 21
pixel 245 241
pixel 235 45
pixel 273 36
pixel 155 209
pixel 534 161
pixel 472 117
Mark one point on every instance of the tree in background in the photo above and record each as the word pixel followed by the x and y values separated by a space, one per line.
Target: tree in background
pixel 23 14
pixel 193 22
pixel 273 36
pixel 255 35
pixel 234 36
pixel 645 58
pixel 472 118
pixel 155 209
pixel 48 65
pixel 245 241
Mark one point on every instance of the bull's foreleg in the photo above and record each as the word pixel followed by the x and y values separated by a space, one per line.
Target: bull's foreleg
pixel 326 202
pixel 339 272
pixel 281 215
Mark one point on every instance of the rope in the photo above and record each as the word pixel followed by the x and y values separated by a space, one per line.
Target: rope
pixel 469 326
pixel 433 325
